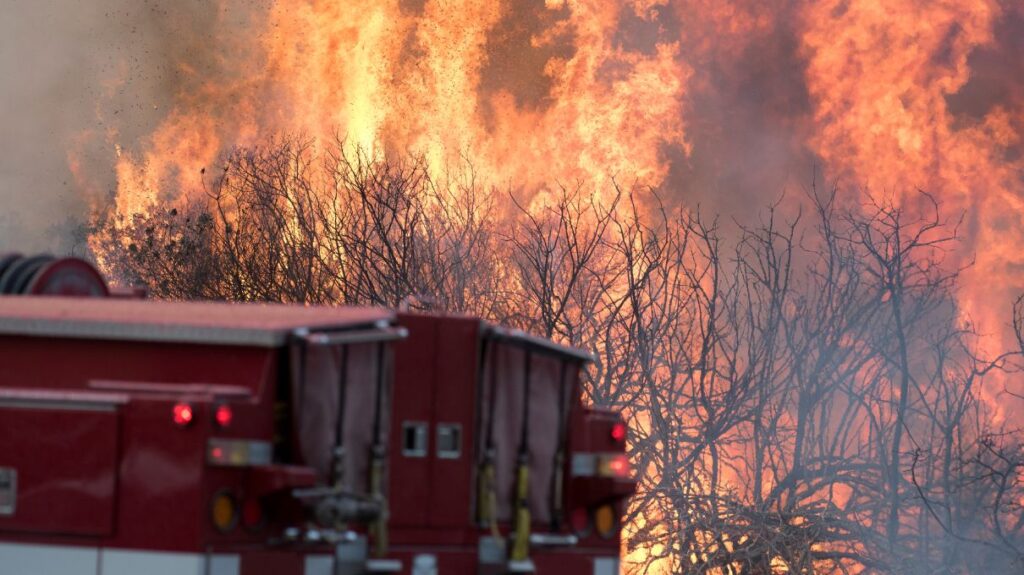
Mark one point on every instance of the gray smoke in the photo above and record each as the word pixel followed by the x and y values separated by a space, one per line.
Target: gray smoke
pixel 73 74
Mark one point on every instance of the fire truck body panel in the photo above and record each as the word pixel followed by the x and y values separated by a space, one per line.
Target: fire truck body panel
pixel 96 457
pixel 61 493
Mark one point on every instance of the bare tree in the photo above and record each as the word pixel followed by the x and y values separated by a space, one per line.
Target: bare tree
pixel 803 393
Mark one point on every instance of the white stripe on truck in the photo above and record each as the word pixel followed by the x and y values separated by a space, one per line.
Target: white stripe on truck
pixel 30 559
pixel 319 565
pixel 19 559
pixel 125 562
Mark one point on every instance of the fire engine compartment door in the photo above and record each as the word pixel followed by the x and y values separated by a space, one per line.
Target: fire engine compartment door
pixel 63 450
pixel 410 468
pixel 435 395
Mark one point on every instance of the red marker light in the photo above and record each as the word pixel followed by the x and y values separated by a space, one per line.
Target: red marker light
pixel 619 432
pixel 223 415
pixel 182 414
pixel 619 466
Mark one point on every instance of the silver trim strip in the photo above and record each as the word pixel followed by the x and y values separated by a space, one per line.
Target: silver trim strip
pixel 379 334
pixel 141 332
pixel 57 405
pixel 61 400
pixel 61 406
pixel 168 333
pixel 214 390
pixel 383 566
pixel 552 540
pixel 534 343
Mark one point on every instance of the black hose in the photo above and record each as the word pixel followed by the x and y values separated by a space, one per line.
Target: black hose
pixel 8 259
pixel 379 400
pixel 29 271
pixel 524 448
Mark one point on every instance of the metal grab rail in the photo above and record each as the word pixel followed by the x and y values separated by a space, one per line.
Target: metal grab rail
pixel 327 338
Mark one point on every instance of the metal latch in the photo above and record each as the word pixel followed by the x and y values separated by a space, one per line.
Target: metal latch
pixel 8 490
pixel 414 438
pixel 449 440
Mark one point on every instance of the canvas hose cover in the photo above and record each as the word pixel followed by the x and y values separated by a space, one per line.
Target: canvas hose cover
pixel 316 401
pixel 549 384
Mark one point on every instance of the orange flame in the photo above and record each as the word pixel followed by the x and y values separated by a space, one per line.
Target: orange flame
pixel 444 82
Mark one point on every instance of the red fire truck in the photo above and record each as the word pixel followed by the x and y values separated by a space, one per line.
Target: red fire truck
pixel 171 437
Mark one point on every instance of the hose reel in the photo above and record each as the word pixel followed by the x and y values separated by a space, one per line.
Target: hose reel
pixel 45 274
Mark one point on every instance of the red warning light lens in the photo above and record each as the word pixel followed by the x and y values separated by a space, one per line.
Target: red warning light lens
pixel 183 414
pixel 619 432
pixel 223 415
pixel 619 466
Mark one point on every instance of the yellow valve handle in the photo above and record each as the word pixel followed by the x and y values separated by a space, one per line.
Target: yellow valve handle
pixel 488 499
pixel 521 544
